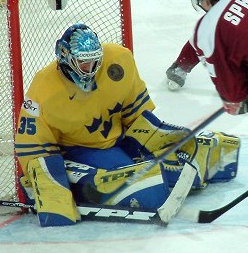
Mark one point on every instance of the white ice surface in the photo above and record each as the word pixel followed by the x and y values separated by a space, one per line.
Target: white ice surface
pixel 160 29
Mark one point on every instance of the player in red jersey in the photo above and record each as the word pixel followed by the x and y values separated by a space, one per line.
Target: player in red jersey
pixel 220 43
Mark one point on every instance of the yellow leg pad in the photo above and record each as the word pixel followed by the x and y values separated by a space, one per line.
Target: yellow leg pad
pixel 217 156
pixel 54 200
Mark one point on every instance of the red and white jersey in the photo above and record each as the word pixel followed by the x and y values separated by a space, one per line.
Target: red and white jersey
pixel 221 43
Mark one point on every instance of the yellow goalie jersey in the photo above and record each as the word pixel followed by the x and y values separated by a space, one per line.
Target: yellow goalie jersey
pixel 56 114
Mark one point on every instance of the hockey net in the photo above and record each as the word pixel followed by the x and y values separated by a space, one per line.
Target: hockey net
pixel 28 32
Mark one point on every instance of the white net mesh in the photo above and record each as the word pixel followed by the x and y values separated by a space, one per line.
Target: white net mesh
pixel 40 27
pixel 39 37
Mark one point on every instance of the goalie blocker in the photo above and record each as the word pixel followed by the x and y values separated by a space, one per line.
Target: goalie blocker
pixel 57 183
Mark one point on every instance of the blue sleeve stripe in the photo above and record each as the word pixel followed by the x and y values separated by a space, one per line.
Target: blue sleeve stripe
pixel 138 98
pixel 36 145
pixel 38 152
pixel 137 107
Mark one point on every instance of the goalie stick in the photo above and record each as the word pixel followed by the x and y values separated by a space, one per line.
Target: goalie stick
pixel 119 214
pixel 201 216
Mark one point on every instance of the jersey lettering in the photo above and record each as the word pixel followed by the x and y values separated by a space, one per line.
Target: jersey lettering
pixel 232 18
pixel 27 125
pixel 243 3
pixel 235 14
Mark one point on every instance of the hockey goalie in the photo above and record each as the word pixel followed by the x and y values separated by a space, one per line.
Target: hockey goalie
pixel 87 123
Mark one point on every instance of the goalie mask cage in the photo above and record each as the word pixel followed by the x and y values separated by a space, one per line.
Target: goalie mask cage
pixel 28 33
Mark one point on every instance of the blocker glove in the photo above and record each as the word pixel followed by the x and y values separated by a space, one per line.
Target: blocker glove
pixel 175 77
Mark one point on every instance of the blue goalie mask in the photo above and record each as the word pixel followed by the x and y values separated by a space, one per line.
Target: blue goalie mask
pixel 79 54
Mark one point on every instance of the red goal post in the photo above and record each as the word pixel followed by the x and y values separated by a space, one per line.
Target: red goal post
pixel 28 32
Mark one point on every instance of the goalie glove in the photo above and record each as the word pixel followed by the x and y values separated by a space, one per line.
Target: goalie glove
pixel 176 77
pixel 236 108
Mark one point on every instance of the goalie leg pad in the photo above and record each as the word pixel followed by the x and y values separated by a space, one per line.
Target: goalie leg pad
pixel 148 192
pixel 222 164
pixel 217 157
pixel 53 197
